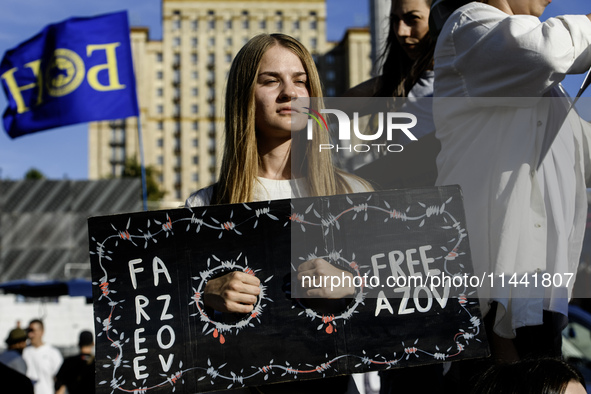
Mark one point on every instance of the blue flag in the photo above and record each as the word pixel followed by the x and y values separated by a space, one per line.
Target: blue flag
pixel 79 70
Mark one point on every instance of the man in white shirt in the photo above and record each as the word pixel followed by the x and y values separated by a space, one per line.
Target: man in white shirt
pixel 43 361
pixel 496 68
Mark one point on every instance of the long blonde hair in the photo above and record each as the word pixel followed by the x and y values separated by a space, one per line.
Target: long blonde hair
pixel 241 159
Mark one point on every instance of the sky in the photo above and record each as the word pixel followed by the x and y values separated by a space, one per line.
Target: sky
pixel 62 153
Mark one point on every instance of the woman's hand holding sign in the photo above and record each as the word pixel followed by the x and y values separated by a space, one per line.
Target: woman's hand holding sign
pixel 233 292
pixel 318 278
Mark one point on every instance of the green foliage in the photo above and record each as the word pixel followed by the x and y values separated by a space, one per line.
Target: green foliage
pixel 133 169
pixel 34 174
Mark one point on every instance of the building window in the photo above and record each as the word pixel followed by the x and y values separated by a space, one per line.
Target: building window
pixel 211 109
pixel 228 58
pixel 194 42
pixel 194 75
pixel 263 24
pixel 178 193
pixel 330 59
pixel 211 24
pixel 313 22
pixel 194 108
pixel 160 178
pixel 296 25
pixel 194 58
pixel 330 91
pixel 196 160
pixel 195 125
pixel 160 142
pixel 159 75
pixel 229 41
pixel 211 41
pixel 176 41
pixel 176 24
pixel 177 146
pixel 177 127
pixel 159 92
pixel 212 127
pixel 177 58
pixel 279 25
pixel 177 93
pixel 160 160
pixel 177 110
pixel 195 177
pixel 159 109
pixel 245 24
pixel 194 92
pixel 229 24
pixel 176 76
pixel 211 93
pixel 330 75
pixel 210 59
pixel 313 43
pixel 159 57
pixel 195 142
pixel 194 25
pixel 160 126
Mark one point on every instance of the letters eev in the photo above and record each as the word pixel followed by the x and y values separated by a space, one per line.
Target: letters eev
pixel 141 303
pixel 78 70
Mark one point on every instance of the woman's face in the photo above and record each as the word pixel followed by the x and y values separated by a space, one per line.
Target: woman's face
pixel 281 77
pixel 410 21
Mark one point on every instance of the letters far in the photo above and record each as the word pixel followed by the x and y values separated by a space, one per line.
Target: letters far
pixel 63 74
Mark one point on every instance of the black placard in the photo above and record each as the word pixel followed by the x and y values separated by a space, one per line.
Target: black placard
pixel 155 335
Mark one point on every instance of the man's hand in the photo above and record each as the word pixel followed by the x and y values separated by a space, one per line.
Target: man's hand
pixel 234 292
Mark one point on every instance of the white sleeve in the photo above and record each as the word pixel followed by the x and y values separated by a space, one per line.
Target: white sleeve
pixel 356 185
pixel 497 55
pixel 200 198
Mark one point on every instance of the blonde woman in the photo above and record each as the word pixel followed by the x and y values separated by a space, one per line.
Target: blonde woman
pixel 265 160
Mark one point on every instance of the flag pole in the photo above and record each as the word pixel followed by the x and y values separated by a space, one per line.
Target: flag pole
pixel 142 165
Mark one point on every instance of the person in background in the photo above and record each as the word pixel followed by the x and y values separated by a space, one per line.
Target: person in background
pixel 536 376
pixel 43 360
pixel 268 157
pixel 77 372
pixel 522 163
pixel 407 73
pixel 13 356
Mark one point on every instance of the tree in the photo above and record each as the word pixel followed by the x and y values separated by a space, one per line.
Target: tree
pixel 34 174
pixel 133 169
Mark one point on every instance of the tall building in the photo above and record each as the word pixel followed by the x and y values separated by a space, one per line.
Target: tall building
pixel 181 86
pixel 347 63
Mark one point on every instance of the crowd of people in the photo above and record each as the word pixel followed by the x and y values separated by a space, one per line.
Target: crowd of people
pixel 523 165
pixel 31 366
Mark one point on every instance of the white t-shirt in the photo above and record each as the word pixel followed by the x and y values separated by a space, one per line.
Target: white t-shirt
pixel 270 189
pixel 43 363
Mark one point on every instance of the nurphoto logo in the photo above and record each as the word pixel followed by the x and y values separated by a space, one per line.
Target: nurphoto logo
pixel 395 122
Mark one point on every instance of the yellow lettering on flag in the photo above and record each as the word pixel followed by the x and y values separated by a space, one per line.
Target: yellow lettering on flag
pixel 16 90
pixel 110 66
